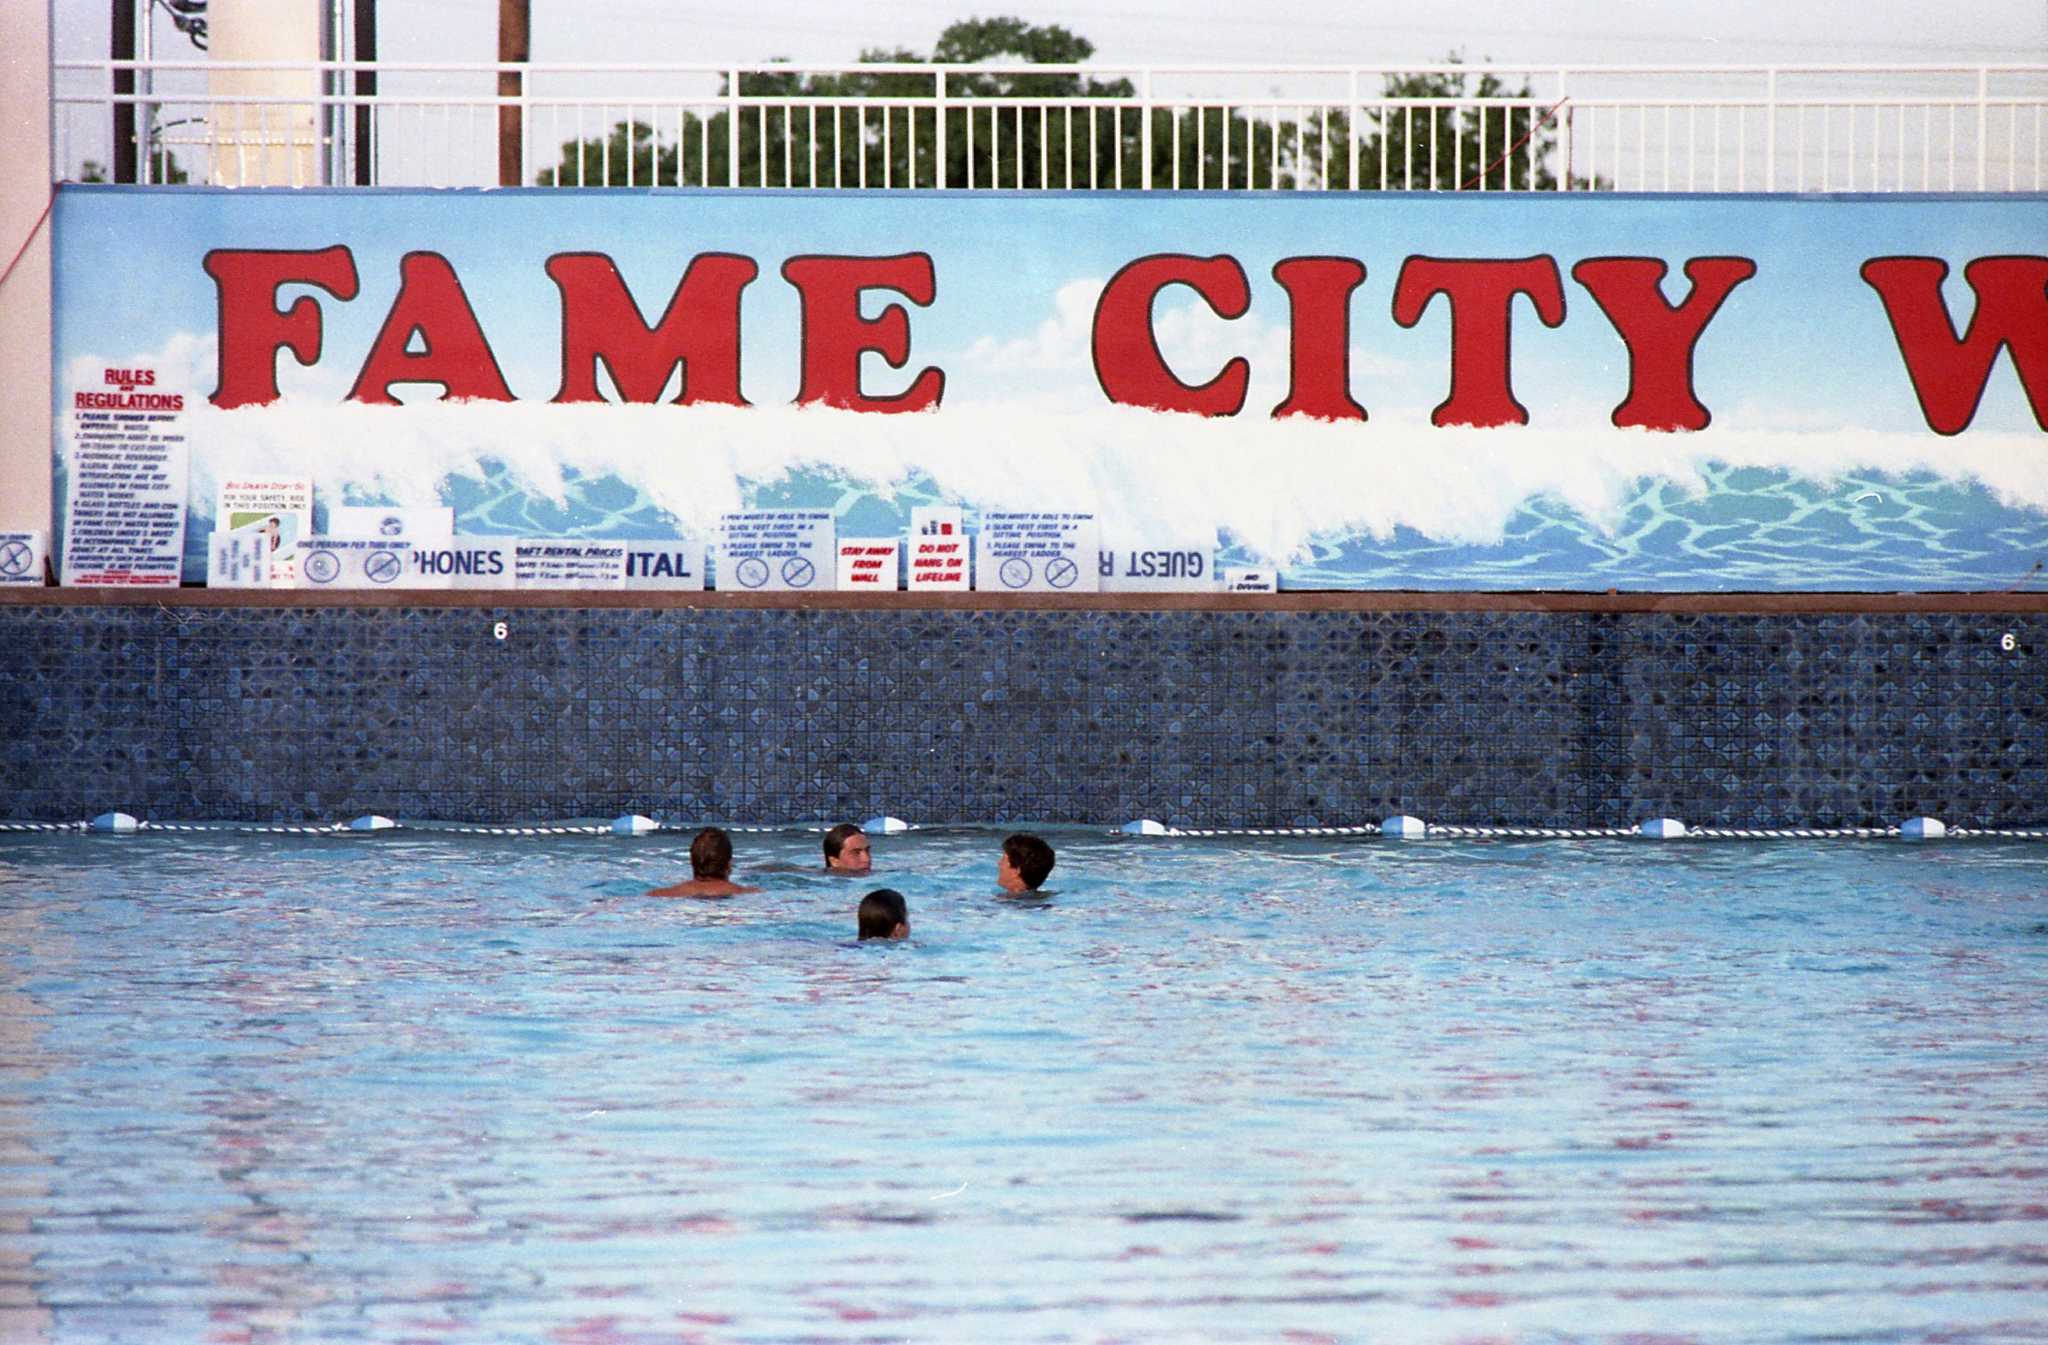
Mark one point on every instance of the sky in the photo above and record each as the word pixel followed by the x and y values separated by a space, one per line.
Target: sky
pixel 1176 32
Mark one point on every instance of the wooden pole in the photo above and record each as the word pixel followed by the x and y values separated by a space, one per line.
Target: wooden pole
pixel 514 26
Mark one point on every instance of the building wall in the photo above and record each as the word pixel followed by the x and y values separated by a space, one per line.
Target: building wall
pixel 1200 718
pixel 25 439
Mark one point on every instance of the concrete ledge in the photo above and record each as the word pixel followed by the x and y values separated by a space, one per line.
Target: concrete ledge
pixel 1762 604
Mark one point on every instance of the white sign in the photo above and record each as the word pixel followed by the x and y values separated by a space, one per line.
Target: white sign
pixel 21 558
pixel 868 563
pixel 1036 553
pixel 1237 580
pixel 571 562
pixel 463 562
pixel 240 557
pixel 1160 565
pixel 356 562
pixel 283 506
pixel 665 565
pixel 357 520
pixel 124 516
pixel 938 549
pixel 776 551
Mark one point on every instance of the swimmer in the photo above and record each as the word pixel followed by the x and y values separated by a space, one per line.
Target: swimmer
pixel 710 867
pixel 846 850
pixel 1023 865
pixel 883 915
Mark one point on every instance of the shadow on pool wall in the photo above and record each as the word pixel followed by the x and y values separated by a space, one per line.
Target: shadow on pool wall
pixel 1209 716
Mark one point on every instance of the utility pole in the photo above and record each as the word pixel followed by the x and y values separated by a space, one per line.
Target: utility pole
pixel 121 47
pixel 514 46
pixel 364 51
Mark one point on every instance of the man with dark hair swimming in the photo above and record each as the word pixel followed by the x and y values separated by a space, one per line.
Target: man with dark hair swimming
pixel 1023 865
pixel 710 869
pixel 883 915
pixel 846 850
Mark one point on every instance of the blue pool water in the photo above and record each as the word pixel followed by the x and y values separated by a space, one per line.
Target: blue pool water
pixel 424 1088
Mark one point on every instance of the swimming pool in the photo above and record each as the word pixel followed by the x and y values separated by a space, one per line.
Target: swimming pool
pixel 419 1087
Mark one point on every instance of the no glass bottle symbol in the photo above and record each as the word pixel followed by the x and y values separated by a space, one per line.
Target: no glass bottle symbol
pixel 15 558
pixel 798 572
pixel 1061 572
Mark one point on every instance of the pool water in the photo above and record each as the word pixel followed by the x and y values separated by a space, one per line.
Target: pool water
pixel 417 1087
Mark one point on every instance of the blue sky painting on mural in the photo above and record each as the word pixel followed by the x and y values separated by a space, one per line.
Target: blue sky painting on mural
pixel 1819 468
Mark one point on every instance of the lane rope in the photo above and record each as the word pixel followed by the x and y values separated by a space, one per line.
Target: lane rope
pixel 1447 831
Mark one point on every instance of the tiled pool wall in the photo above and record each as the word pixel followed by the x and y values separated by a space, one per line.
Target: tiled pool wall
pixel 1198 718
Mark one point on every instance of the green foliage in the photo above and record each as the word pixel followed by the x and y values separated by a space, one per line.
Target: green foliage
pixel 163 168
pixel 1015 141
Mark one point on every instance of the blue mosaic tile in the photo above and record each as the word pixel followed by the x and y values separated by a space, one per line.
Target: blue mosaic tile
pixel 1200 719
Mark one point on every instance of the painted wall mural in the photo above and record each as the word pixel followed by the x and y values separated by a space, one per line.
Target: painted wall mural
pixel 1368 391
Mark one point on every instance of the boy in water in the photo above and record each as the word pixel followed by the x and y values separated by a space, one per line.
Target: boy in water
pixel 883 915
pixel 710 869
pixel 846 850
pixel 1023 865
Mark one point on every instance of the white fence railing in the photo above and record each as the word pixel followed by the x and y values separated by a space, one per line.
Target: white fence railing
pixel 918 127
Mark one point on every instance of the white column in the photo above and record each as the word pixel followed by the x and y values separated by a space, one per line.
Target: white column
pixel 274 143
pixel 25 442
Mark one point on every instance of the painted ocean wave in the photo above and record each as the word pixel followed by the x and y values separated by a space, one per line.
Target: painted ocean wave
pixel 1755 530
pixel 1389 505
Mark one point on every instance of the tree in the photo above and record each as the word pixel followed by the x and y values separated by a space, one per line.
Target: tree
pixel 1465 148
pixel 163 168
pixel 895 146
pixel 1007 133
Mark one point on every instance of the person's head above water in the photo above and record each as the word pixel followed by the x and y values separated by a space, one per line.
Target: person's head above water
pixel 711 854
pixel 846 849
pixel 883 915
pixel 1025 862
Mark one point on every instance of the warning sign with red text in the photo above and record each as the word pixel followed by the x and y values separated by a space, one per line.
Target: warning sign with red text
pixel 868 563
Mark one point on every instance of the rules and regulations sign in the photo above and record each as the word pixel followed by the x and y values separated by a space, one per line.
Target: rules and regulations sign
pixel 124 517
pixel 21 558
pixel 868 563
pixel 777 550
pixel 282 508
pixel 240 557
pixel 938 548
pixel 1037 553
pixel 571 562
pixel 358 562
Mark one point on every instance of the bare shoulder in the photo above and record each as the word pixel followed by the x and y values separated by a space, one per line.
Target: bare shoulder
pixel 695 888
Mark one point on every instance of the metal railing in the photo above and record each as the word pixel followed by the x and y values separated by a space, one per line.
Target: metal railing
pixel 921 127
